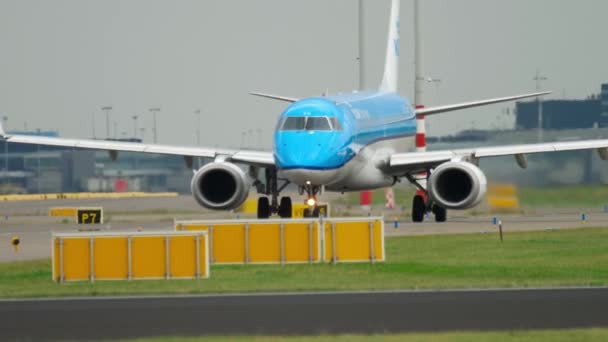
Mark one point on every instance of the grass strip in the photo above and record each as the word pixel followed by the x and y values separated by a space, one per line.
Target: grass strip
pixel 577 257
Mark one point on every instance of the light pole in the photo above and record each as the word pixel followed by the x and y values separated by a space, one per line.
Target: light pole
pixel 115 124
pixel 154 131
pixel 259 131
pixel 38 162
pixel 538 78
pixel 198 126
pixel 5 119
pixel 361 46
pixel 243 136
pixel 107 109
pixel 135 126
pixel 93 125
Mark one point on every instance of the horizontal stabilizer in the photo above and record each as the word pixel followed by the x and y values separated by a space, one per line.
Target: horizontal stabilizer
pixel 449 108
pixel 275 97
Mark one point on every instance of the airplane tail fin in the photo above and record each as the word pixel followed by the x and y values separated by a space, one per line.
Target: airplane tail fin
pixel 391 64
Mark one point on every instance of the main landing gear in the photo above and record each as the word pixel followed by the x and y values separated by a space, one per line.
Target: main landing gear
pixel 421 205
pixel 268 206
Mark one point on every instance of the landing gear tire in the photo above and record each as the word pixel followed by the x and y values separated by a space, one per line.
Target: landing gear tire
pixel 418 209
pixel 440 213
pixel 285 207
pixel 263 208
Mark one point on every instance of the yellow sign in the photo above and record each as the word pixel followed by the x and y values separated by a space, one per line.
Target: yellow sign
pixel 15 241
pixel 90 215
pixel 64 212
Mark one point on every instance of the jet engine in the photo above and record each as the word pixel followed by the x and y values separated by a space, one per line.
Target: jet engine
pixel 220 186
pixel 457 185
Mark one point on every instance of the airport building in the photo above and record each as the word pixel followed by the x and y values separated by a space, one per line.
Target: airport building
pixel 604 98
pixel 48 169
pixel 564 114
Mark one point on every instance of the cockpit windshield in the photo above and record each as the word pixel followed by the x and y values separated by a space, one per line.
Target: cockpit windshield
pixel 310 123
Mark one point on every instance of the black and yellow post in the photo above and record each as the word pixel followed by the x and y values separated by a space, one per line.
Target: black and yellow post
pixel 15 241
pixel 90 216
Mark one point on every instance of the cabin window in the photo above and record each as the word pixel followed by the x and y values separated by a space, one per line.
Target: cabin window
pixel 318 123
pixel 310 123
pixel 335 124
pixel 294 123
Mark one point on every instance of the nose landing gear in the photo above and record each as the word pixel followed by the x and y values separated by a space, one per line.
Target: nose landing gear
pixel 311 193
pixel 266 206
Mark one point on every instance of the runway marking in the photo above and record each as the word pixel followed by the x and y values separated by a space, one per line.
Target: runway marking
pixel 305 293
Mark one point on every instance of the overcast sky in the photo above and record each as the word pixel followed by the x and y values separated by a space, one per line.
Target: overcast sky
pixel 62 60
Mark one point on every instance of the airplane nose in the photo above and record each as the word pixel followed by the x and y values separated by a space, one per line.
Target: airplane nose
pixel 304 155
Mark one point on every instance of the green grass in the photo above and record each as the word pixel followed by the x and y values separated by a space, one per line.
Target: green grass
pixel 540 335
pixel 580 196
pixel 549 258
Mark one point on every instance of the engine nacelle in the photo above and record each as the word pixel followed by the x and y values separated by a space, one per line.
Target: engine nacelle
pixel 220 186
pixel 457 185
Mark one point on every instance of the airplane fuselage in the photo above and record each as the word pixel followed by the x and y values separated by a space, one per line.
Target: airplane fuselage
pixel 337 141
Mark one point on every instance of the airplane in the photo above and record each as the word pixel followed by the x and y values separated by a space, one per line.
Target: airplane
pixel 341 143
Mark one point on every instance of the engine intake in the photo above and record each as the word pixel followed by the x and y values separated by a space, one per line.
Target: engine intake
pixel 220 186
pixel 457 185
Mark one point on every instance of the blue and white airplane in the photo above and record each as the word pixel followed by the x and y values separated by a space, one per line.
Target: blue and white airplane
pixel 346 142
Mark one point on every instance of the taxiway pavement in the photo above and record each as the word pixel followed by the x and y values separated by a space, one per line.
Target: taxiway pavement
pixel 302 314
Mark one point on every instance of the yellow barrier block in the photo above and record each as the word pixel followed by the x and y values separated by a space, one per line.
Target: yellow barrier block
pixel 115 256
pixel 110 254
pixel 502 190
pixel 354 240
pixel 183 261
pixel 147 261
pixel 80 195
pixel 249 207
pixel 264 242
pixel 78 252
pixel 503 202
pixel 298 209
pixel 64 212
pixel 228 244
pixel 301 242
pixel 260 241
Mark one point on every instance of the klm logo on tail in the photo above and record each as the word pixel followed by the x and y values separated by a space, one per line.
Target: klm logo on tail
pixel 396 40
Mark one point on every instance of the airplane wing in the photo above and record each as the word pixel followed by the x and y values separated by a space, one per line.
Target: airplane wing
pixel 421 161
pixel 275 97
pixel 449 108
pixel 259 158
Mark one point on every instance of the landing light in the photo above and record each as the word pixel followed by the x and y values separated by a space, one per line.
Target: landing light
pixel 311 202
